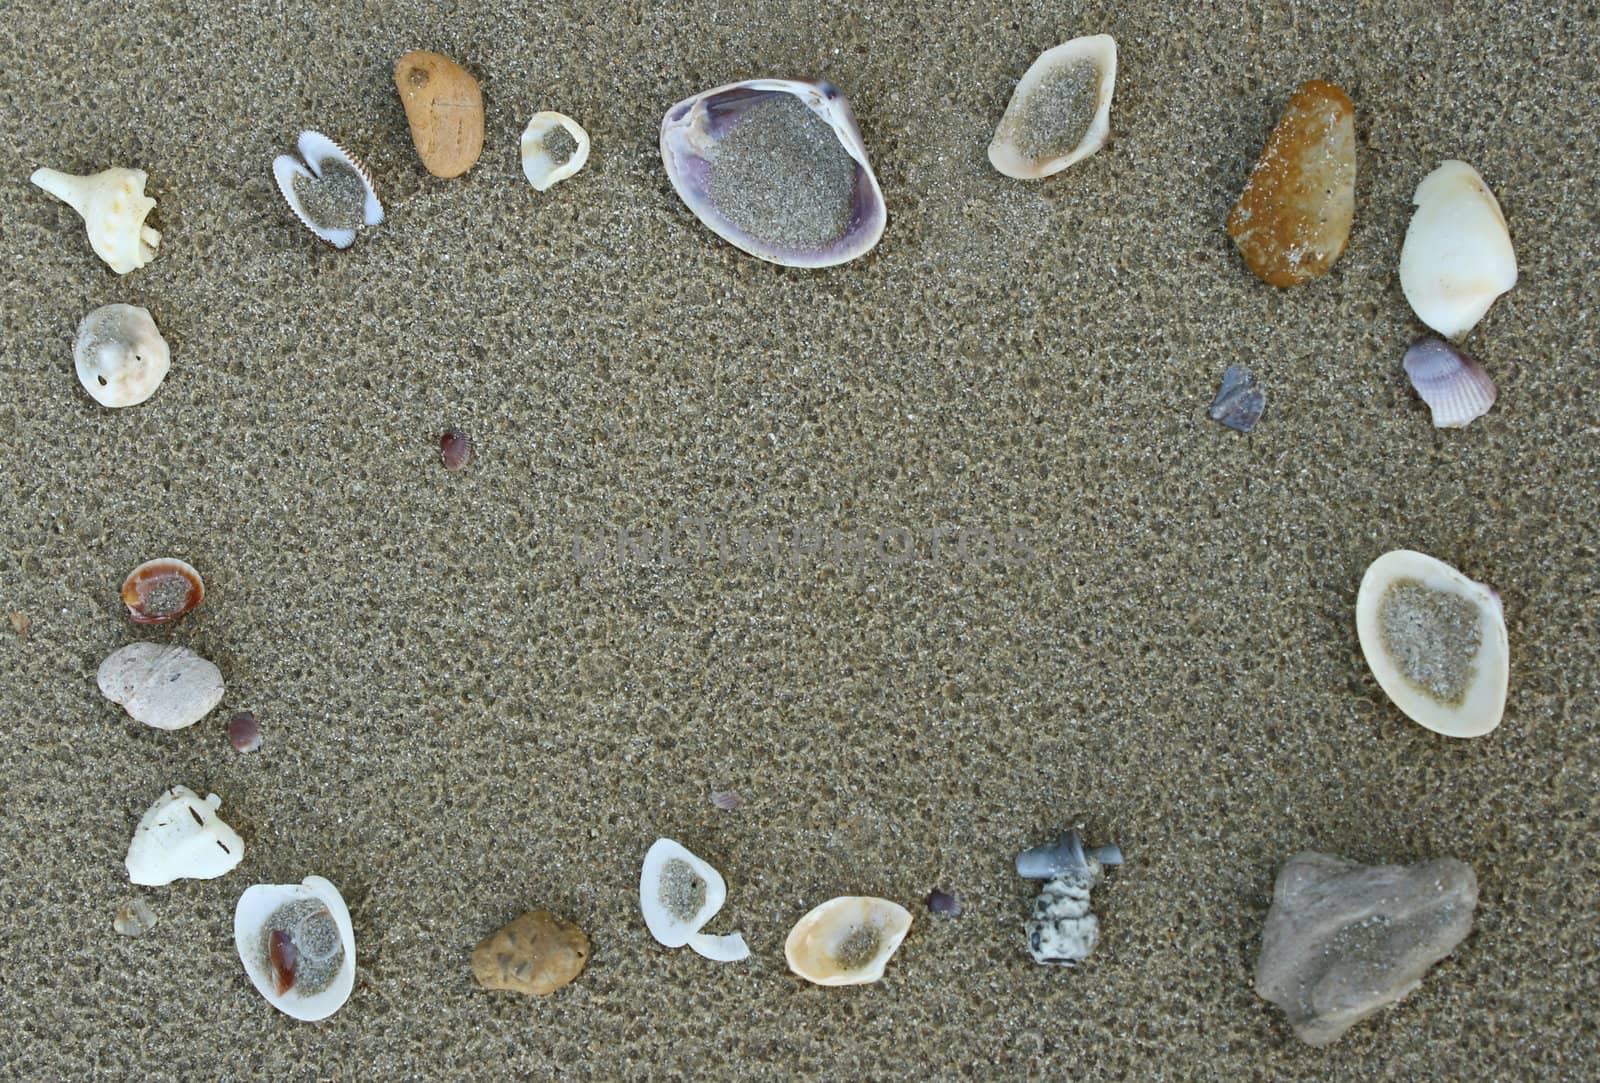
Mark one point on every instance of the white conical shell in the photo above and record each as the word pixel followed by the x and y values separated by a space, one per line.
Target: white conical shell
pixel 165 687
pixel 317 149
pixel 1454 386
pixel 181 837
pixel 120 355
pixel 813 945
pixel 114 207
pixel 1008 149
pixel 1483 701
pixel 676 930
pixel 260 902
pixel 538 166
pixel 1457 256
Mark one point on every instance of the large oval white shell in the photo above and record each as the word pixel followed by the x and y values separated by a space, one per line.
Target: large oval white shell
pixel 812 945
pixel 1484 700
pixel 168 687
pixel 181 837
pixel 1457 256
pixel 670 929
pixel 256 905
pixel 317 149
pixel 1006 151
pixel 119 355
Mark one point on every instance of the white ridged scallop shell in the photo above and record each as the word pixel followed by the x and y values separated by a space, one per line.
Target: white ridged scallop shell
pixel 1457 256
pixel 260 902
pixel 1006 149
pixel 813 945
pixel 1483 701
pixel 1454 386
pixel 316 149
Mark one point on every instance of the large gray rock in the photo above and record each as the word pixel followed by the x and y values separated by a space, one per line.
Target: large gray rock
pixel 1344 940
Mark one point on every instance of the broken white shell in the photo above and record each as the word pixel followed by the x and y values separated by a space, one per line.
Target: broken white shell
pixel 319 153
pixel 114 207
pixel 1060 112
pixel 1436 642
pixel 1457 255
pixel 1454 386
pixel 539 164
pixel 120 355
pixel 321 968
pixel 165 687
pixel 847 940
pixel 182 838
pixel 679 893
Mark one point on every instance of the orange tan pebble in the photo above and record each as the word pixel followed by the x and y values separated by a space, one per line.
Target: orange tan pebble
pixel 445 109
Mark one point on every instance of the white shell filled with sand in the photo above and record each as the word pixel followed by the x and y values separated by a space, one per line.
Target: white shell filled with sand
pixel 114 207
pixel 298 946
pixel 1457 256
pixel 330 191
pixel 120 356
pixel 847 940
pixel 1436 642
pixel 553 148
pixel 181 837
pixel 1060 112
pixel 678 894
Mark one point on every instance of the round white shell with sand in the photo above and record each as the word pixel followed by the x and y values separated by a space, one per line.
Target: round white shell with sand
pixel 1457 256
pixel 847 940
pixel 1436 642
pixel 181 837
pixel 678 894
pixel 539 165
pixel 1070 83
pixel 250 933
pixel 114 207
pixel 120 355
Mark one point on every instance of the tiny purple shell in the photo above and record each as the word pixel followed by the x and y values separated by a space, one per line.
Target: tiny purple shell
pixel 244 733
pixel 727 800
pixel 455 450
pixel 1454 386
pixel 942 902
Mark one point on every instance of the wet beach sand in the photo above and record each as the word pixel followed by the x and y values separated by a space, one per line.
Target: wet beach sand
pixel 468 714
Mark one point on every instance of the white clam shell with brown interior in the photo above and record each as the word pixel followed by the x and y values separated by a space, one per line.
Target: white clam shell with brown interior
pixel 298 946
pixel 1436 642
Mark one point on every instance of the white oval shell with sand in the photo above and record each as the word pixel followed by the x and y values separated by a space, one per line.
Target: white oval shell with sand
pixel 1436 642
pixel 847 940
pixel 1060 112
pixel 313 900
pixel 553 148
pixel 678 894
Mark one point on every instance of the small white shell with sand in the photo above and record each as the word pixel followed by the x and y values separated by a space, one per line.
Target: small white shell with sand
pixel 1071 82
pixel 678 894
pixel 847 940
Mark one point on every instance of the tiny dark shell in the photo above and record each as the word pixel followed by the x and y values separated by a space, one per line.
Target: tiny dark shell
pixel 244 732
pixel 162 590
pixel 1239 403
pixel 942 902
pixel 455 450
pixel 727 800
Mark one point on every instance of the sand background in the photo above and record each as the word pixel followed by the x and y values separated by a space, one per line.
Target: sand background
pixel 463 722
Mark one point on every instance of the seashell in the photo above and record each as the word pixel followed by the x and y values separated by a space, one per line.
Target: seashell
pixel 1457 256
pixel 554 147
pixel 120 355
pixel 847 940
pixel 1293 219
pixel 444 107
pixel 1061 929
pixel 162 590
pixel 455 450
pixel 134 918
pixel 114 207
pixel 1060 112
pixel 182 838
pixel 297 946
pixel 944 903
pixel 1454 386
pixel 1239 401
pixel 679 893
pixel 1436 642
pixel 331 192
pixel 778 169
pixel 165 687
pixel 244 732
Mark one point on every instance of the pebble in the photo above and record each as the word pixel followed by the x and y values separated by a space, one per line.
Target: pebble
pixel 1293 219
pixel 1344 940
pixel 445 109
pixel 134 918
pixel 21 624
pixel 165 687
pixel 244 732
pixel 536 954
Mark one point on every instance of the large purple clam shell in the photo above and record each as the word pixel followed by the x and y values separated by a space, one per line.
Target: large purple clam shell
pixel 696 124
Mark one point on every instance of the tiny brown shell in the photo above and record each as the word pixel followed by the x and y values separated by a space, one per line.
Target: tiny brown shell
pixel 162 590
pixel 455 450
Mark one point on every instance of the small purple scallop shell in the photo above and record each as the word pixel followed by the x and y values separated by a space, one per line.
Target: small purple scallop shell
pixel 783 197
pixel 1454 386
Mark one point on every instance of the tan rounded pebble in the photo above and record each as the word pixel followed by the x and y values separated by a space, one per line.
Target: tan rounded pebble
pixel 1294 217
pixel 445 109
pixel 538 953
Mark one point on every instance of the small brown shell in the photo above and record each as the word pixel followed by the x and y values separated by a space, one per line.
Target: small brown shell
pixel 455 450
pixel 162 590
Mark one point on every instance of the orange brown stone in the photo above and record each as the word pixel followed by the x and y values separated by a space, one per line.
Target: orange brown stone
pixel 1294 217
pixel 445 110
